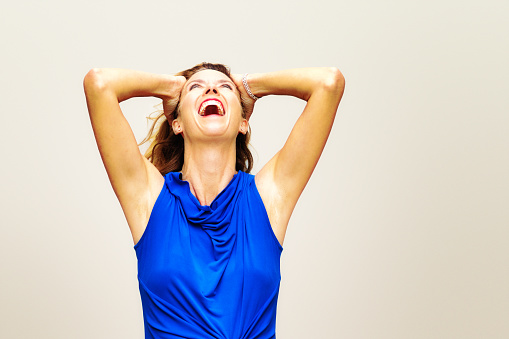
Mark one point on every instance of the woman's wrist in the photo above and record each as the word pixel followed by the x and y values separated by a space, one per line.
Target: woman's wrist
pixel 166 86
pixel 273 83
pixel 255 83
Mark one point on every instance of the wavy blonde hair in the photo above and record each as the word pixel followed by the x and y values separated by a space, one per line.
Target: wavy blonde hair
pixel 166 150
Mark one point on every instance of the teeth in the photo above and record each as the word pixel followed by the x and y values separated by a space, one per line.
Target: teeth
pixel 211 102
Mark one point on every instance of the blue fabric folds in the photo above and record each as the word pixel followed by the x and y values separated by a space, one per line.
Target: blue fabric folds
pixel 209 271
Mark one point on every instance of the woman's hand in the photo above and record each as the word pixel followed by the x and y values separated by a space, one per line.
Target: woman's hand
pixel 172 97
pixel 247 101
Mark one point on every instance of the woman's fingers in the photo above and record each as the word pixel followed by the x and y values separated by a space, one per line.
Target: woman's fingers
pixel 247 101
pixel 170 101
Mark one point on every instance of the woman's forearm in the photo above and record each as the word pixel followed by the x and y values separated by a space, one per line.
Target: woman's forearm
pixel 125 84
pixel 301 82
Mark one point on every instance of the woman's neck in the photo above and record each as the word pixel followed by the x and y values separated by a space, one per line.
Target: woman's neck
pixel 208 169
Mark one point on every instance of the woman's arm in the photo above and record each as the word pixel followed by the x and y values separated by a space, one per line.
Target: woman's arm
pixel 133 178
pixel 282 180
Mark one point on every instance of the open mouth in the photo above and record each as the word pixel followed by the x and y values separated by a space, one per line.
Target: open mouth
pixel 211 107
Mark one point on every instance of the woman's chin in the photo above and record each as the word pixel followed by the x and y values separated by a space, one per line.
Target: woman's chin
pixel 216 130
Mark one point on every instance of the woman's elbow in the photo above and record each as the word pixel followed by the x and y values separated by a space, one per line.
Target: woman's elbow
pixel 334 80
pixel 94 80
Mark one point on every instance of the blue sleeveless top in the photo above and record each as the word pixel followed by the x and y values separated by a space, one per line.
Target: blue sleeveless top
pixel 209 271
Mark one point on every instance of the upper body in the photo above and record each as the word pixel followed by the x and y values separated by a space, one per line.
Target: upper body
pixel 210 158
pixel 210 150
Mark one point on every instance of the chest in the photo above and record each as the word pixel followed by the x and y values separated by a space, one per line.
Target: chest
pixel 210 264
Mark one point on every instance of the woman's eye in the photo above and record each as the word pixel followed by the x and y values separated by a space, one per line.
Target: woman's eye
pixel 227 86
pixel 194 86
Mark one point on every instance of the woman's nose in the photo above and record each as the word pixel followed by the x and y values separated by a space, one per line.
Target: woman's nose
pixel 209 90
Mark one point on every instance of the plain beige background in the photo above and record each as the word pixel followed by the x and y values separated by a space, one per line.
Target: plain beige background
pixel 403 230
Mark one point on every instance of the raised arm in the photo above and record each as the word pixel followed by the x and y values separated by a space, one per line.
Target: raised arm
pixel 133 178
pixel 282 180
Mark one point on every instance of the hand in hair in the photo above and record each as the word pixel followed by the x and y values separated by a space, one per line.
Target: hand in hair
pixel 247 101
pixel 171 99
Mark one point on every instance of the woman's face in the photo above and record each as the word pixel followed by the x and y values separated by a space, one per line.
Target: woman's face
pixel 210 107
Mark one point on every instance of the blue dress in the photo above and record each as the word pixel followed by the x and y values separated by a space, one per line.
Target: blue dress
pixel 209 271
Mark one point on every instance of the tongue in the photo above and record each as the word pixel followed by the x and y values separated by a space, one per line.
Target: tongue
pixel 209 110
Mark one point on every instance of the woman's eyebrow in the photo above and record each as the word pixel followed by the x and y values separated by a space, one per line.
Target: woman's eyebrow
pixel 218 81
pixel 225 80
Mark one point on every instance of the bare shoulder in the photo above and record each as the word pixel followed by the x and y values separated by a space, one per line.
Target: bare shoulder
pixel 279 213
pixel 264 180
pixel 138 209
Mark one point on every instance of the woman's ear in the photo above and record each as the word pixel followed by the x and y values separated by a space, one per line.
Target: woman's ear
pixel 244 126
pixel 175 124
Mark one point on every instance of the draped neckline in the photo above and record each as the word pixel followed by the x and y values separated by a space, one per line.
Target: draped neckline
pixel 215 215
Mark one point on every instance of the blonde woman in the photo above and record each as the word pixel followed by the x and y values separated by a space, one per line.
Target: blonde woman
pixel 208 235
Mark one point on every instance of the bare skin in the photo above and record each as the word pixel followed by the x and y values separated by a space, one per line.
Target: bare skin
pixel 209 159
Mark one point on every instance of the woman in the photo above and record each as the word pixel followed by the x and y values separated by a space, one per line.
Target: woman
pixel 208 235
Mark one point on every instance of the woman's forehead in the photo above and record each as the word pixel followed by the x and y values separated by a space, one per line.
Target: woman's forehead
pixel 209 75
